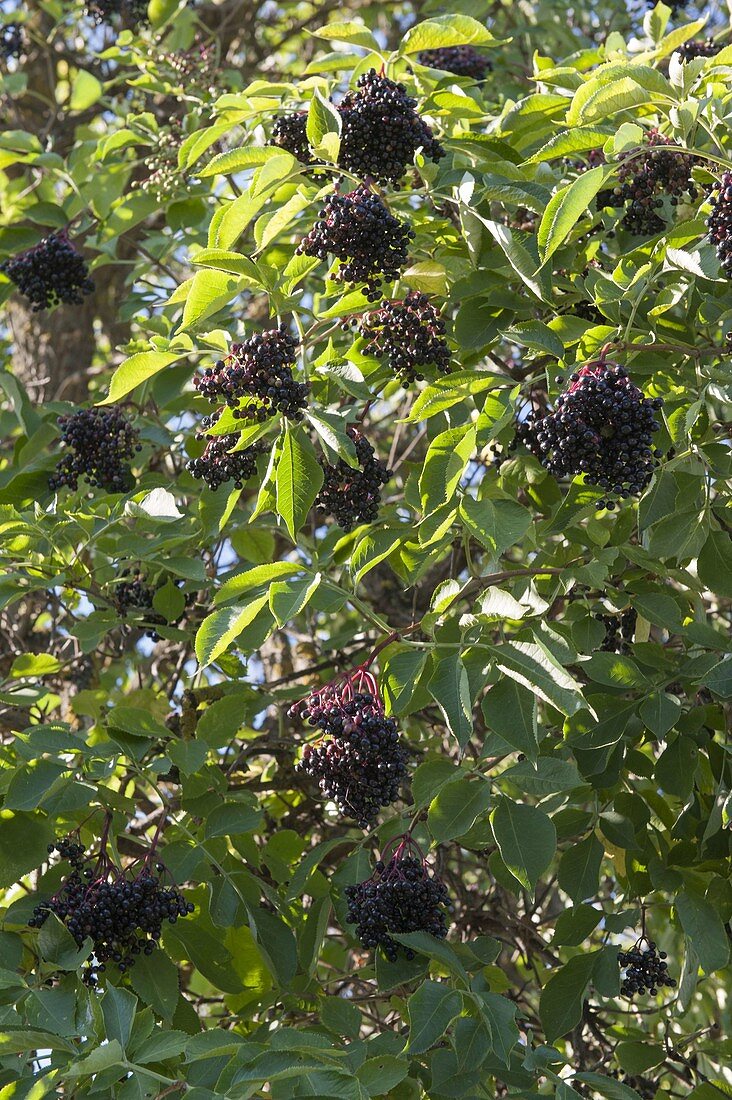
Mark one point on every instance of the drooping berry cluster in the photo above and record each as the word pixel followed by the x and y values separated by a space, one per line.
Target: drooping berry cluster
pixel 602 427
pixel 290 133
pixel 644 180
pixel 460 60
pixel 106 11
pixel 402 895
pixel 350 494
pixel 12 41
pixel 50 272
pixel 133 593
pixel 719 223
pixel 646 969
pixel 619 630
pixel 219 463
pixel 410 334
pixel 705 47
pixel 381 131
pixel 359 761
pixel 257 374
pixel 358 229
pixel 100 443
pixel 122 912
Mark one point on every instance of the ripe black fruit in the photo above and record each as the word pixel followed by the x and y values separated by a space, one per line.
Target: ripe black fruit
pixel 219 463
pixel 402 895
pixel 106 11
pixel 50 272
pixel 353 495
pixel 602 427
pixel 460 60
pixel 369 241
pixel 100 443
pixel 645 969
pixel 255 380
pixel 720 223
pixel 290 133
pixel 705 47
pixel 410 334
pixel 381 131
pixel 359 762
pixel 619 630
pixel 642 181
pixel 12 41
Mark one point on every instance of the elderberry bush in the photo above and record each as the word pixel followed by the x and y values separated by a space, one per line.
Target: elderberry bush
pixel 123 914
pixel 353 495
pixel 358 230
pixel 602 427
pixel 290 133
pixel 99 442
pixel 619 630
pixel 409 333
pixel 643 181
pixel 646 969
pixel 12 41
pixel 705 47
pixel 358 762
pixel 219 463
pixel 460 60
pixel 719 223
pixel 50 272
pixel 381 131
pixel 402 895
pixel 255 380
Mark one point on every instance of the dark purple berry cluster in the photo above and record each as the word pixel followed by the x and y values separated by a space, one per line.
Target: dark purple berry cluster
pixel 460 60
pixel 401 896
pixel 619 630
pixel 646 969
pixel 100 442
pixel 358 762
pixel 133 593
pixel 219 463
pixel 255 380
pixel 602 427
pixel 409 333
pixel 352 495
pixel 290 133
pixel 705 47
pixel 644 180
pixel 12 41
pixel 358 230
pixel 381 131
pixel 107 11
pixel 121 913
pixel 719 223
pixel 50 272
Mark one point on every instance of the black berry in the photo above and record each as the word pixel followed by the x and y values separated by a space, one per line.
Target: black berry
pixel 352 495
pixel 619 630
pixel 290 133
pixel 720 223
pixel 646 969
pixel 705 47
pixel 100 442
pixel 50 272
pixel 255 380
pixel 219 463
pixel 460 60
pixel 410 334
pixel 643 180
pixel 12 41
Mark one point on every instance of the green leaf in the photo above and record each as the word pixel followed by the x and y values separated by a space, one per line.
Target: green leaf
pixel 637 1057
pixel 560 1004
pixel 510 711
pixel 579 868
pixel 23 842
pixel 34 664
pixel 118 1007
pixel 446 30
pixel 85 91
pixel 323 127
pixel 535 334
pixel 219 629
pixel 526 839
pixel 456 807
pixel 565 209
pixel 529 664
pixel 58 946
pixel 383 1073
pixel 288 598
pixel 497 524
pixel 348 31
pixel 714 564
pixel 233 819
pixel 31 784
pixel 132 372
pixel 103 1057
pixel 449 687
pixel 431 1010
pixel 298 480
pixel 660 712
pixel 703 925
pixel 255 577
pixel 444 465
pixel 209 292
pixel 155 979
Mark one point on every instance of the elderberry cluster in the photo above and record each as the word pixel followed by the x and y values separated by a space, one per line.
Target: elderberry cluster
pixel 290 133
pixel 602 427
pixel 12 41
pixel 619 630
pixel 370 243
pixel 136 594
pixel 164 176
pixel 719 223
pixel 381 131
pixel 701 48
pixel 121 914
pixel 100 443
pixel 643 181
pixel 259 374
pixel 460 60
pixel 401 896
pixel 410 333
pixel 106 11
pixel 353 495
pixel 645 969
pixel 359 762
pixel 219 463
pixel 50 272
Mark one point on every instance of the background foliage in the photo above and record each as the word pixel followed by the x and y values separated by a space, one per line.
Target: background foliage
pixel 556 786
